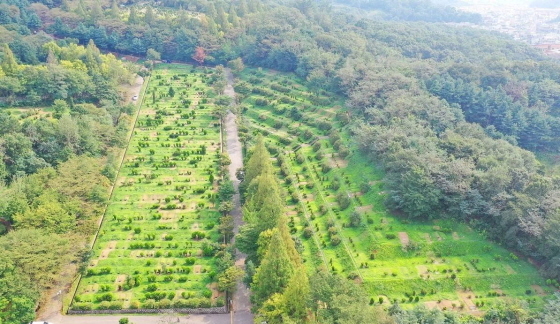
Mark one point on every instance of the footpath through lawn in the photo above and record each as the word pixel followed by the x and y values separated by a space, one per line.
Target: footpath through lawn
pixel 156 243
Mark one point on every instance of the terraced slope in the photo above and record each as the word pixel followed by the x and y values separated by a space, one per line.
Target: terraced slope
pixel 157 240
pixel 336 198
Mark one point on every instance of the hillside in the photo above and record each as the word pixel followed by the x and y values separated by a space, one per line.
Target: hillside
pixel 382 143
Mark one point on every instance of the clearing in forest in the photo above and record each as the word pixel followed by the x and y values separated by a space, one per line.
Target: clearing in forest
pixel 156 244
pixel 354 234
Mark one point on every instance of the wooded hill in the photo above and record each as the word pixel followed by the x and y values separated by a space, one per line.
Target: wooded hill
pixel 454 116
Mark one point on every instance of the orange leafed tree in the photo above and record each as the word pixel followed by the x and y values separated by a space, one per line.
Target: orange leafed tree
pixel 199 55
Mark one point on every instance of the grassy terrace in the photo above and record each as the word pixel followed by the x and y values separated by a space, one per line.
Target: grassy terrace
pixel 336 209
pixel 156 243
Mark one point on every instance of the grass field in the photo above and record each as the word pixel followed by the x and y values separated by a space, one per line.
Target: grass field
pixel 158 237
pixel 336 208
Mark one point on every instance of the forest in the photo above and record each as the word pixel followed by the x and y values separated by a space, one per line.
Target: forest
pixel 461 122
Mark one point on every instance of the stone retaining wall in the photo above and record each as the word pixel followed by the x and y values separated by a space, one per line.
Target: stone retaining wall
pixel 210 310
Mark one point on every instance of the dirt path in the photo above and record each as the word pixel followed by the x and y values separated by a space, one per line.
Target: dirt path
pixel 241 301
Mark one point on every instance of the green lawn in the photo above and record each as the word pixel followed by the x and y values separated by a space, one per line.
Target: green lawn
pixel 440 263
pixel 156 243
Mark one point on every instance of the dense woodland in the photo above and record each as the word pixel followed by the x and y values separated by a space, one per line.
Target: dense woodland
pixel 454 117
pixel 55 168
pixel 414 10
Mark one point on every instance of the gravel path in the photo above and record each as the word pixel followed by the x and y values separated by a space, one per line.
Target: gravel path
pixel 241 301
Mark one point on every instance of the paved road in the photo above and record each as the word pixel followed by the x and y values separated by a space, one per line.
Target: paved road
pixel 241 301
pixel 142 319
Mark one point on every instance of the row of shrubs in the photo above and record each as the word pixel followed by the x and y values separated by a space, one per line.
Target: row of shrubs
pixel 151 304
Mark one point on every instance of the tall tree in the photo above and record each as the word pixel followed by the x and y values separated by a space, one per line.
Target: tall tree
pixel 274 273
pixel 9 63
pixel 258 162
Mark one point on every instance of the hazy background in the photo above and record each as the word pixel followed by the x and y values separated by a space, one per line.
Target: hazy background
pixel 533 3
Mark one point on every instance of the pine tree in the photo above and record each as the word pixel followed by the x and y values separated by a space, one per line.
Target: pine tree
pixel 265 201
pixel 51 57
pixel 9 63
pixel 274 273
pixel 221 19
pixel 242 8
pixel 232 17
pixel 92 59
pixel 288 241
pixel 297 295
pixel 96 12
pixel 80 10
pixel 149 17
pixel 64 5
pixel 115 11
pixel 211 11
pixel 259 161
pixel 133 17
pixel 212 28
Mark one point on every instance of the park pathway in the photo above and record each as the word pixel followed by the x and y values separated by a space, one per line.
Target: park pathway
pixel 241 302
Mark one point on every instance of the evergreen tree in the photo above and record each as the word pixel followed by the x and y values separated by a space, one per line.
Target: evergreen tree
pixel 133 16
pixel 258 162
pixel 233 18
pixel 211 11
pixel 115 12
pixel 149 17
pixel 265 205
pixel 51 57
pixel 274 273
pixel 297 295
pixel 212 28
pixel 288 241
pixel 96 12
pixel 221 18
pixel 9 64
pixel 242 8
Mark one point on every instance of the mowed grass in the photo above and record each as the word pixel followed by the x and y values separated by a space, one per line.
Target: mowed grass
pixel 155 245
pixel 440 263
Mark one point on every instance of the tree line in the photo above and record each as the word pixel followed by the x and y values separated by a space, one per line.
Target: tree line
pixel 283 289
pixel 56 166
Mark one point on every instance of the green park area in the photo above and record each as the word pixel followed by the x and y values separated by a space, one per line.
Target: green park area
pixel 338 216
pixel 156 244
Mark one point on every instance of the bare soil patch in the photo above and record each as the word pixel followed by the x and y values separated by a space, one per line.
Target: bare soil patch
pixel 455 236
pixel 365 209
pixel 539 290
pixel 422 269
pixel 403 237
pixel 427 237
pixel 469 304
pixel 438 236
pixel 197 269
pixel 509 269
pixel 110 247
pixel 337 162
pixel 120 279
pixel 214 288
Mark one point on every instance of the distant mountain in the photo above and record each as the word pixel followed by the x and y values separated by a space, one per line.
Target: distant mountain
pixel 415 10
pixel 451 3
pixel 545 4
pixel 555 20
